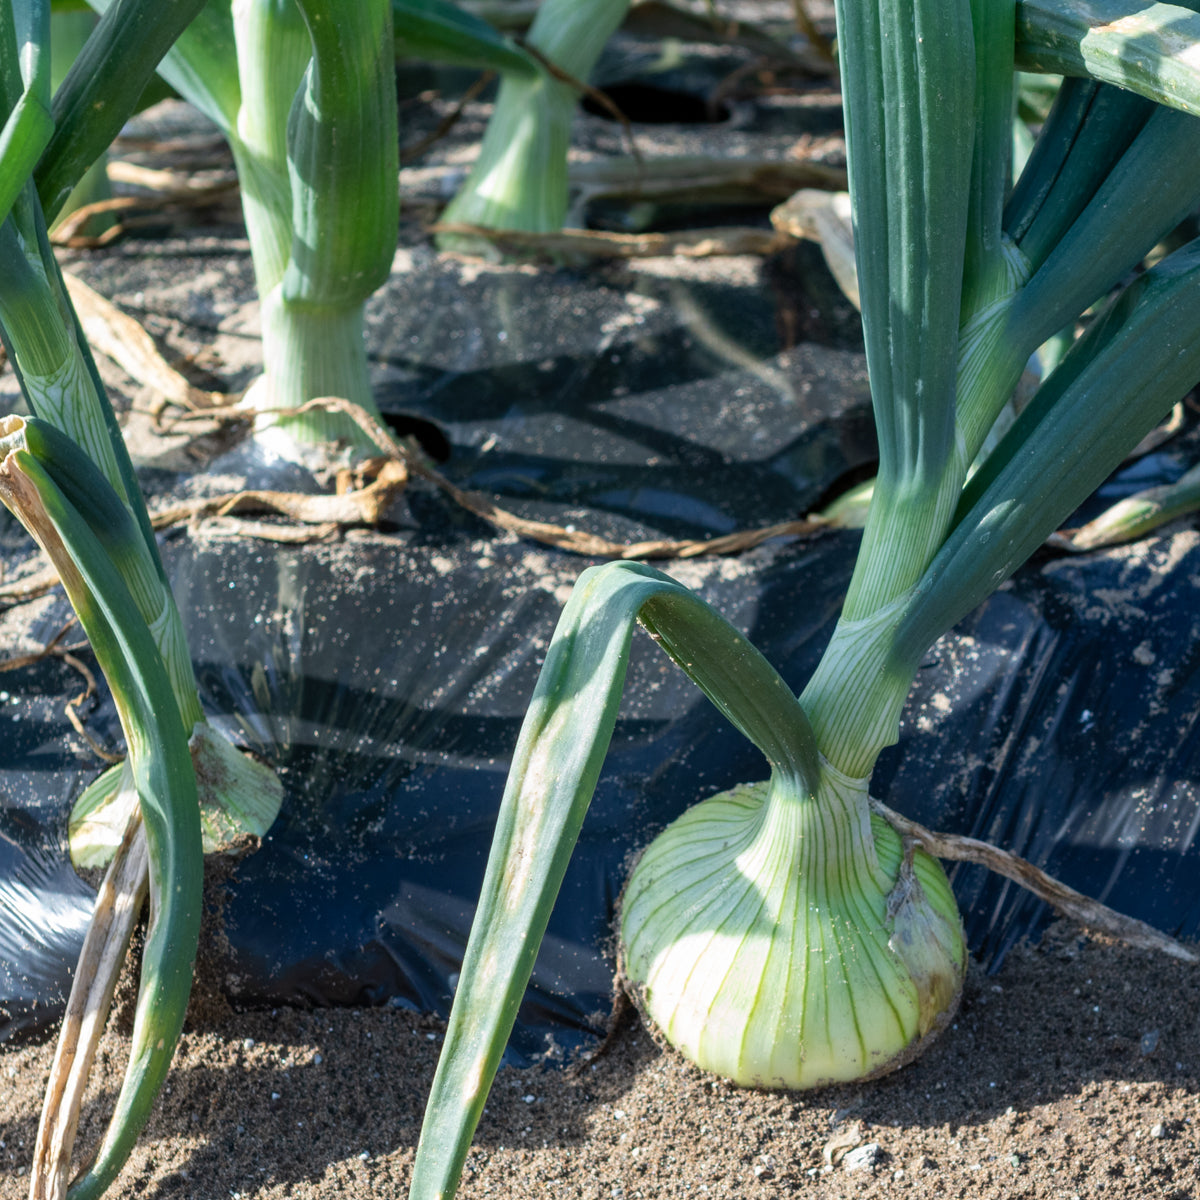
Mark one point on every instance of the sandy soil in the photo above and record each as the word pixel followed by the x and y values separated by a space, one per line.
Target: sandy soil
pixel 1073 1072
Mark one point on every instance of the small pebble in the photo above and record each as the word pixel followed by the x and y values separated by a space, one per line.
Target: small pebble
pixel 529 1099
pixel 318 1059
pixel 863 1158
pixel 1158 1131
pixel 248 1044
pixel 1149 1042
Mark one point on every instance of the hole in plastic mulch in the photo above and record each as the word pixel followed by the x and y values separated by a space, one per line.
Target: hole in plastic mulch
pixel 651 104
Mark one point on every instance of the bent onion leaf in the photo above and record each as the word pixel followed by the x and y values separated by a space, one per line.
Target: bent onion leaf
pixel 563 741
pixel 160 761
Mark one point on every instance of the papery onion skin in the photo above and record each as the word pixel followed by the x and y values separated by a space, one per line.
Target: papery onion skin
pixel 783 941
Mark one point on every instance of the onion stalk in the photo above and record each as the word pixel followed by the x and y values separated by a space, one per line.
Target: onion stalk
pixel 67 475
pixel 95 549
pixel 519 180
pixel 785 932
pixel 316 148
pixel 70 30
pixel 61 385
pixel 304 92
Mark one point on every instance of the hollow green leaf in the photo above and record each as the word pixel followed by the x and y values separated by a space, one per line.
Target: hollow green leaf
pixel 33 37
pixel 1151 188
pixel 161 765
pixel 54 366
pixel 102 89
pixel 438 31
pixel 909 103
pixel 984 271
pixel 24 96
pixel 562 744
pixel 1151 49
pixel 1087 130
pixel 201 64
pixel 25 135
pixel 343 156
pixel 1114 385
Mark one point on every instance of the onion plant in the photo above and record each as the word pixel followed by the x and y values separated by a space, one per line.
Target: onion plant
pixel 67 475
pixel 519 180
pixel 50 356
pixel 304 92
pixel 92 539
pixel 784 933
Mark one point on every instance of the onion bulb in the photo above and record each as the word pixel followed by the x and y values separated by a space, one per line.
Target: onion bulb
pixel 782 939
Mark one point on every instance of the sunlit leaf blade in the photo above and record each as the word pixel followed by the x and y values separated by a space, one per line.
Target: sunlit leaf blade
pixel 25 122
pixel 1152 187
pixel 201 64
pixel 557 762
pixel 162 770
pixel 1089 127
pixel 343 156
pixel 991 165
pixel 908 91
pixel 102 89
pixel 1151 49
pixel 24 137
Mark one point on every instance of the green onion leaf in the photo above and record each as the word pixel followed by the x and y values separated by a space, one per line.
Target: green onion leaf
pixel 102 89
pixel 1114 385
pixel 1150 49
pixel 437 31
pixel 557 761
pixel 909 98
pixel 160 761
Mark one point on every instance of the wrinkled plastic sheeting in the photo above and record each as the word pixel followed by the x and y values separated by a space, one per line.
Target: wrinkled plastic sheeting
pixel 386 677
pixel 388 683
pixel 391 708
pixel 1059 722
pixel 44 906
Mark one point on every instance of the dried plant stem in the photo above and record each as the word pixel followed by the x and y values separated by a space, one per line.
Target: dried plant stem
pixel 555 535
pixel 1070 903
pixel 600 244
pixel 118 904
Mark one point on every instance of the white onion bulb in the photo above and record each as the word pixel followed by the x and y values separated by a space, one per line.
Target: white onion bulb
pixel 782 940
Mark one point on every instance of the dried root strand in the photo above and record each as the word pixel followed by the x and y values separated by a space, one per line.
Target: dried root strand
pixel 1066 900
